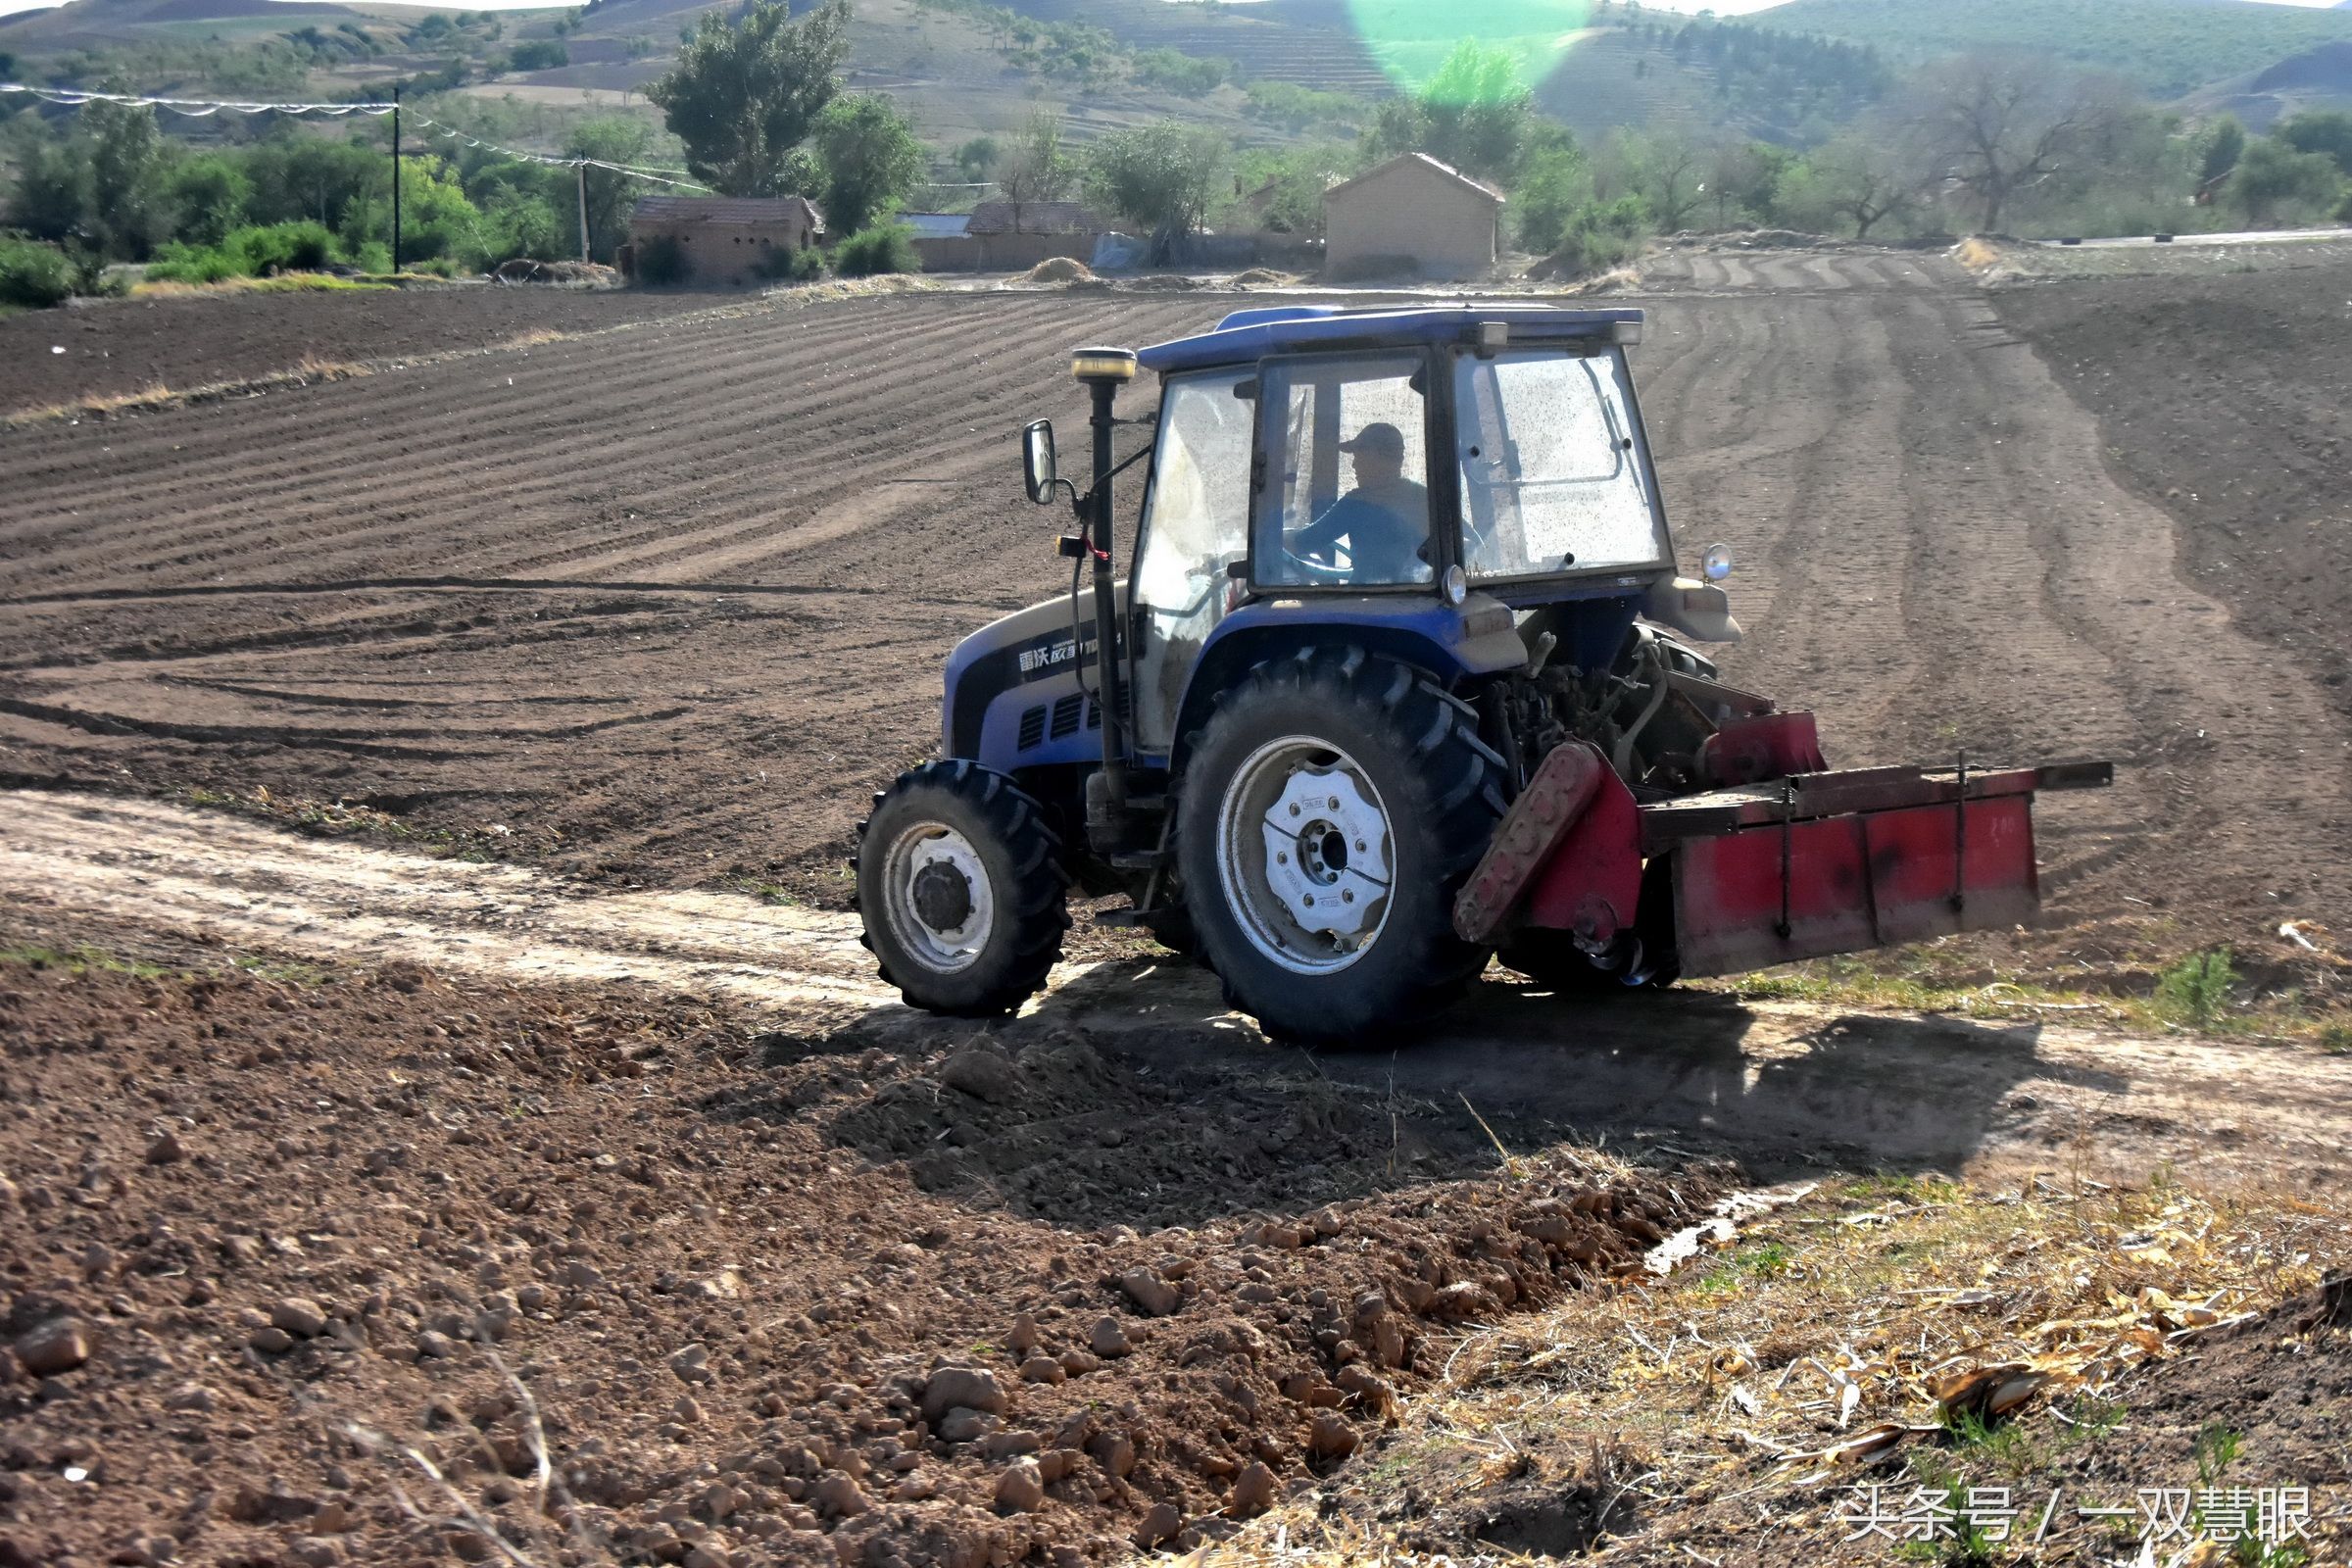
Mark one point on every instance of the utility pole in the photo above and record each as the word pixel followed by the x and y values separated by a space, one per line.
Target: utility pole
pixel 581 169
pixel 395 176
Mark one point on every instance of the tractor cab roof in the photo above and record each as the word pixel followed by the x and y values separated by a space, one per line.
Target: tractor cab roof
pixel 1246 336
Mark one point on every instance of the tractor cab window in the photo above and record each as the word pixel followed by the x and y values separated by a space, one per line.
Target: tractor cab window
pixel 1195 525
pixel 1552 478
pixel 1344 501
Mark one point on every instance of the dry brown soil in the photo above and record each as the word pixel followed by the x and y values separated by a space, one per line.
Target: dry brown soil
pixel 295 1219
pixel 2229 402
pixel 119 347
pixel 666 604
pixel 628 618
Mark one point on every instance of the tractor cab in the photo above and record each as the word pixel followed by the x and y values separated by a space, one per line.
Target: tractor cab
pixel 1402 677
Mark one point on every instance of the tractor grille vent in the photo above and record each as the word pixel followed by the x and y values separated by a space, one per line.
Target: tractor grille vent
pixel 1033 727
pixel 1065 715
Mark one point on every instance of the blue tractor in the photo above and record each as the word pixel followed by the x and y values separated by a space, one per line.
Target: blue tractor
pixel 1401 676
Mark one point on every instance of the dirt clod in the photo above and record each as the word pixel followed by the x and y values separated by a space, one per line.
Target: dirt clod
pixel 1152 1295
pixel 299 1316
pixel 964 1388
pixel 58 1346
pixel 1254 1490
pixel 1021 1487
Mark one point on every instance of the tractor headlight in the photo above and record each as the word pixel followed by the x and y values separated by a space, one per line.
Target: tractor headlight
pixel 1716 564
pixel 1116 366
pixel 1456 585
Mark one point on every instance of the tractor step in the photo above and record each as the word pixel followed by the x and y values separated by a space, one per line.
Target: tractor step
pixel 1136 860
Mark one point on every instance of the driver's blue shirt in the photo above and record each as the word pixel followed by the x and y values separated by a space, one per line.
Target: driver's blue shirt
pixel 1383 529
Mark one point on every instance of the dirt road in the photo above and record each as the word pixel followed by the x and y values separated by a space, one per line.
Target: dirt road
pixel 1778 1087
pixel 664 606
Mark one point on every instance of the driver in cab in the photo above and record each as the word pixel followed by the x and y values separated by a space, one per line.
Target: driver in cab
pixel 1384 520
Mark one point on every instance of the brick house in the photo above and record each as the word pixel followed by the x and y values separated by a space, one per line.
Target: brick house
pixel 1411 214
pixel 724 239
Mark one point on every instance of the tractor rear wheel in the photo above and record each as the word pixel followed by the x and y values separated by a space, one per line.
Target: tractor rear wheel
pixel 1330 810
pixel 962 889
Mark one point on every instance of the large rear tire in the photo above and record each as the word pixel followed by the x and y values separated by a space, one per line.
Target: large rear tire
pixel 1330 810
pixel 962 889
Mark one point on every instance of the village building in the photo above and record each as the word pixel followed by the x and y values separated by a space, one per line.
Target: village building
pixel 1004 236
pixel 1411 215
pixel 724 239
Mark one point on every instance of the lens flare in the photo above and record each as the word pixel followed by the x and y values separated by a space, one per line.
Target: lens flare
pixel 1517 42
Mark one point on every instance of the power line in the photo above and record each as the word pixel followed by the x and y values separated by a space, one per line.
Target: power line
pixel 193 107
pixel 198 108
pixel 453 132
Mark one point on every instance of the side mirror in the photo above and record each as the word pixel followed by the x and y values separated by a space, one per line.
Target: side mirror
pixel 1036 461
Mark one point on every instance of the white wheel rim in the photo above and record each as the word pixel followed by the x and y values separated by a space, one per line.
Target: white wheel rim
pixel 937 898
pixel 1305 855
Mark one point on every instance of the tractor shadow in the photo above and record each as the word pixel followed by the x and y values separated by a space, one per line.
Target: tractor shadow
pixel 1131 1096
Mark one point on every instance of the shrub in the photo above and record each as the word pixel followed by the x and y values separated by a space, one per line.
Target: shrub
pixel 302 247
pixel 192 264
pixel 2195 990
pixel 91 279
pixel 660 261
pixel 877 248
pixel 793 265
pixel 32 273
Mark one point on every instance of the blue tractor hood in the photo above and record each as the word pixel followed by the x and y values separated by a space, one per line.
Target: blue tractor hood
pixel 1246 336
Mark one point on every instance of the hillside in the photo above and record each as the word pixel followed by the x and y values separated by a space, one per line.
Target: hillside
pixel 2316 78
pixel 2166 48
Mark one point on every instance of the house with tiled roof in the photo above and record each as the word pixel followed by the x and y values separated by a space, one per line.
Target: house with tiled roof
pixel 724 239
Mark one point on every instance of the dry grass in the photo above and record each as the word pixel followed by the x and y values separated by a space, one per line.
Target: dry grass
pixel 1879 1313
pixel 309 371
pixel 282 283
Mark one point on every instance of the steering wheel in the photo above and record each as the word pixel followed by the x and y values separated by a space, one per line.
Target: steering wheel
pixel 1315 570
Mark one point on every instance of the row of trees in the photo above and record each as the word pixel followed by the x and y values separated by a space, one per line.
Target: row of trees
pixel 108 183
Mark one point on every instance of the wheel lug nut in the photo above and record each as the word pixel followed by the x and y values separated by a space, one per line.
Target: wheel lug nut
pixel 1281 858
pixel 1333 803
pixel 1308 901
pixel 1346 898
pixel 1294 810
pixel 1360 846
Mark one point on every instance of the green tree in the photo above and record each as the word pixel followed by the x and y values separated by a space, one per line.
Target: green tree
pixel 128 213
pixel 1867 176
pixel 1474 113
pixel 979 157
pixel 746 92
pixel 2222 146
pixel 2320 130
pixel 1037 169
pixel 614 139
pixel 436 221
pixel 869 157
pixel 1283 189
pixel 2274 178
pixel 1554 187
pixel 2004 122
pixel 298 175
pixel 51 198
pixel 1161 175
pixel 209 195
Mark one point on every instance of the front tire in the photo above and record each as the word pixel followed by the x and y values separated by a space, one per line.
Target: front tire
pixel 963 890
pixel 1332 807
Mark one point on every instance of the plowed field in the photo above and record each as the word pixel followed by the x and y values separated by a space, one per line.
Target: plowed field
pixel 635 1207
pixel 666 603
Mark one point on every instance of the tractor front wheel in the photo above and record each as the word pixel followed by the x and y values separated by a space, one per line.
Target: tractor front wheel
pixel 962 886
pixel 1329 813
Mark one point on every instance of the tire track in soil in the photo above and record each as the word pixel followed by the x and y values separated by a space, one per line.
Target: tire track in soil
pixel 1759 1082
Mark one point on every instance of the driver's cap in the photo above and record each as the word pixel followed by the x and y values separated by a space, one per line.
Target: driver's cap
pixel 1384 439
